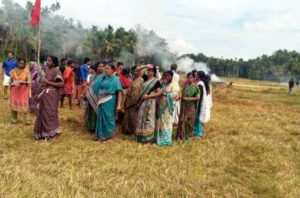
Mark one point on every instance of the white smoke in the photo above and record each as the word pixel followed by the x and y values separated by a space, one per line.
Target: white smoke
pixel 186 64
pixel 149 44
pixel 215 78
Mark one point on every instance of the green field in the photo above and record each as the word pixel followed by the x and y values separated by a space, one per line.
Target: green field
pixel 251 148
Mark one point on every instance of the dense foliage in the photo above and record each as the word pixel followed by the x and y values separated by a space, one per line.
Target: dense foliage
pixel 280 66
pixel 65 37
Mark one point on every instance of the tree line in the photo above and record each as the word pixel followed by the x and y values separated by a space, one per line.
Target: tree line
pixel 65 37
pixel 279 66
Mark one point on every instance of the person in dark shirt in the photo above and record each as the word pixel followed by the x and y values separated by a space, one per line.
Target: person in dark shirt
pixel 76 71
pixel 84 72
pixel 7 66
pixel 291 86
pixel 63 64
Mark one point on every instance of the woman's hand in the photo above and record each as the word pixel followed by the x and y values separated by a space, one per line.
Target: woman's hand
pixel 119 109
pixel 44 81
pixel 184 98
pixel 146 96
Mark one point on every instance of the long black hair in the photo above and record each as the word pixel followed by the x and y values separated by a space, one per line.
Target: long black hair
pixel 54 60
pixel 21 59
pixel 170 72
pixel 206 79
pixel 190 74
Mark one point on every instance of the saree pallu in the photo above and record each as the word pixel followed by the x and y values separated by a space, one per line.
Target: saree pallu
pixel 46 124
pixel 176 92
pixel 164 128
pixel 106 116
pixel 145 131
pixel 90 118
pixel 188 116
pixel 90 115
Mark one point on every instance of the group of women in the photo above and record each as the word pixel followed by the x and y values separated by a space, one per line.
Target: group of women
pixel 148 104
pixel 143 104
pixel 39 92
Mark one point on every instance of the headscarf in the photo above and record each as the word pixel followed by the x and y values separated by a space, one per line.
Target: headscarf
pixel 34 70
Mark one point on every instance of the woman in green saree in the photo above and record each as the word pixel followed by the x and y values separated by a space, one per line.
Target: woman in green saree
pixel 145 131
pixel 189 106
pixel 165 112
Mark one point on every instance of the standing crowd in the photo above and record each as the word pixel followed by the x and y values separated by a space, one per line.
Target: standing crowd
pixel 138 101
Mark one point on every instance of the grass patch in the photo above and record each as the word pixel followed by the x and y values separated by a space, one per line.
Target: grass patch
pixel 250 148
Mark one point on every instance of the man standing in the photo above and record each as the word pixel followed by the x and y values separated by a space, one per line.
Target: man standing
pixel 291 86
pixel 84 72
pixel 176 90
pixel 7 66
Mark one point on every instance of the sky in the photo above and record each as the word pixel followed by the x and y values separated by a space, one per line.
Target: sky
pixel 219 28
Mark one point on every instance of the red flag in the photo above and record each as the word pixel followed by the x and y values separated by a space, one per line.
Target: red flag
pixel 36 13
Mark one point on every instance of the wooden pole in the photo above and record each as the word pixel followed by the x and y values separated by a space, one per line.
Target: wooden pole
pixel 39 45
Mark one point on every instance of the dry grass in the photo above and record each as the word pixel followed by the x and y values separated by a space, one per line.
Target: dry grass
pixel 251 148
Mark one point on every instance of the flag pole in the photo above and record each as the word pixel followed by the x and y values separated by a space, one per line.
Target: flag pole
pixel 39 44
pixel 36 21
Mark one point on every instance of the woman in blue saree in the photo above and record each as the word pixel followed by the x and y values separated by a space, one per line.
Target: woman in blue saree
pixel 164 129
pixel 109 100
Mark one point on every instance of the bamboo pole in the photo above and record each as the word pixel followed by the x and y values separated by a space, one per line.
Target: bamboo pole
pixel 39 45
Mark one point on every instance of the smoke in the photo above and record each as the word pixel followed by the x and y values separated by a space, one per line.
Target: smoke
pixel 186 64
pixel 68 37
pixel 153 48
pixel 215 78
pixel 126 57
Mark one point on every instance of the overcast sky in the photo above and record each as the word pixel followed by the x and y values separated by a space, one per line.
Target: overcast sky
pixel 221 28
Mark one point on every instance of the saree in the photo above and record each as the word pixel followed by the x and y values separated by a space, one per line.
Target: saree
pixel 198 131
pixel 90 116
pixel 34 72
pixel 176 92
pixel 165 117
pixel 203 110
pixel 106 117
pixel 188 115
pixel 131 108
pixel 46 124
pixel 20 90
pixel 145 131
pixel 125 82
